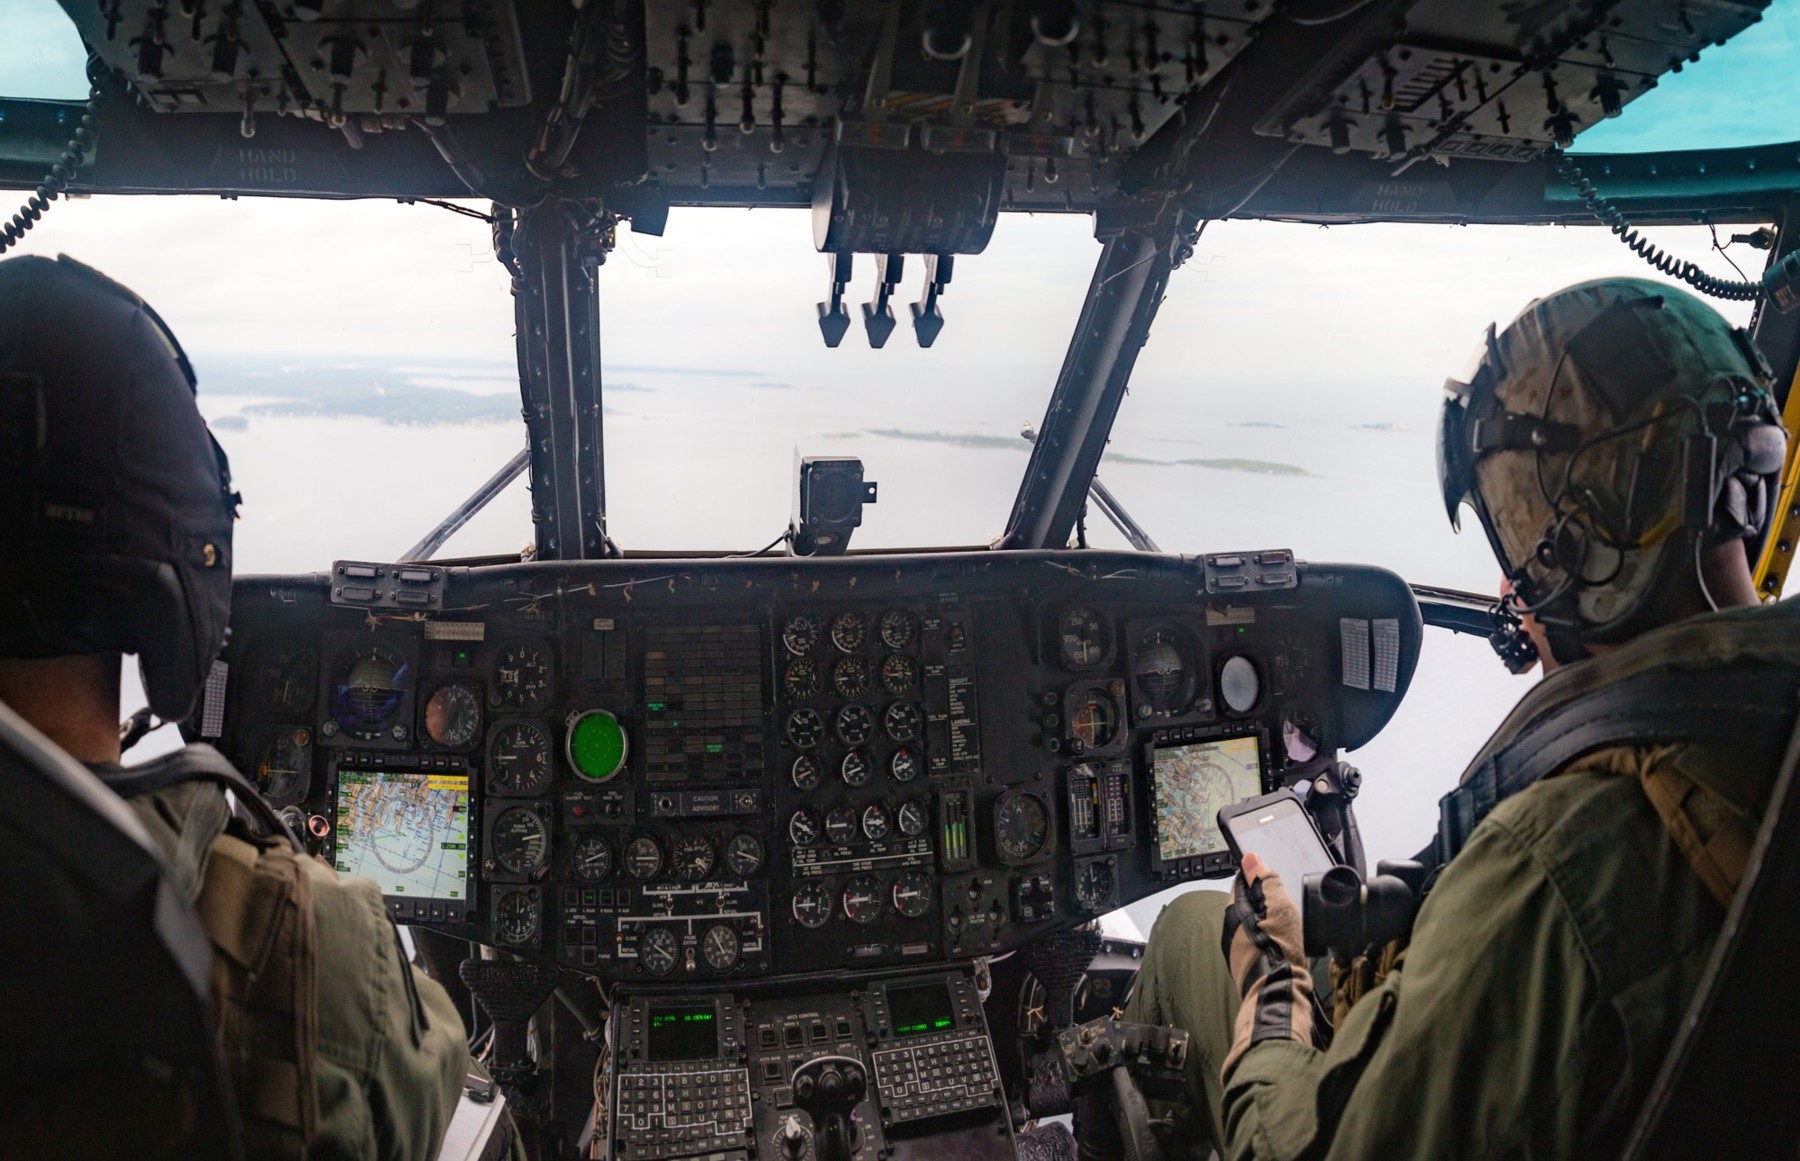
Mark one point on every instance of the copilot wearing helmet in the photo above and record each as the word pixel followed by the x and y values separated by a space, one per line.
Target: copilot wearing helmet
pixel 1620 447
pixel 116 511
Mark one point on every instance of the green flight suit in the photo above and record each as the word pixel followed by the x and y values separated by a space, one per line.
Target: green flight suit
pixel 388 1048
pixel 1548 971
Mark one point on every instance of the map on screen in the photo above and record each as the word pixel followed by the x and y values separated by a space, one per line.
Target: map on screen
pixel 1192 783
pixel 408 832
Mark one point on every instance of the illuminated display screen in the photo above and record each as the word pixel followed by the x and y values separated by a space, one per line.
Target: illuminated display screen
pixel 408 832
pixel 684 1032
pixel 919 1009
pixel 1192 783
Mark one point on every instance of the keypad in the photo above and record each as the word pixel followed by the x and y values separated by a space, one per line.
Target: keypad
pixel 678 1109
pixel 930 1077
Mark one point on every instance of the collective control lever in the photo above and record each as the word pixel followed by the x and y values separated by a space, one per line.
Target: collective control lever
pixel 827 1088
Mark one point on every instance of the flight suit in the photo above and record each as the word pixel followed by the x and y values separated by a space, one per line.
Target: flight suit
pixel 384 1045
pixel 1549 966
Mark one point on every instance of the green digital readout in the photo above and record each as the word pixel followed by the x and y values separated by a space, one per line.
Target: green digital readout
pixel 597 745
pixel 920 1009
pixel 684 1031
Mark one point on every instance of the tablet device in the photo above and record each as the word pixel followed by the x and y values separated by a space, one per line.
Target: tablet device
pixel 1277 827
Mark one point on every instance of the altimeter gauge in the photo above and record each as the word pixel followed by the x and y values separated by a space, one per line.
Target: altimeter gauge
pixel 522 678
pixel 519 759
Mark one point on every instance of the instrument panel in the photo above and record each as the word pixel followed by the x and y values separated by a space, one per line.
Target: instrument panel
pixel 714 770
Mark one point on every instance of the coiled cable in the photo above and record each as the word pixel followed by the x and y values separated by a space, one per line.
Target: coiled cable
pixel 57 180
pixel 1611 217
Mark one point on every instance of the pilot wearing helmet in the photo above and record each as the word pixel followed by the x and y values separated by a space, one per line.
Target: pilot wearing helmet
pixel 1620 446
pixel 116 515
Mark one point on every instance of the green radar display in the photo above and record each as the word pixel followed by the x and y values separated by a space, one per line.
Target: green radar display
pixel 597 745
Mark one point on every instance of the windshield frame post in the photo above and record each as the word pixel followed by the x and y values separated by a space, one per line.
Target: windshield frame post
pixel 556 311
pixel 1138 253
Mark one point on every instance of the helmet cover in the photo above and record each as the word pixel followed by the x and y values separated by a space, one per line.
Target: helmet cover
pixel 1574 442
pixel 115 501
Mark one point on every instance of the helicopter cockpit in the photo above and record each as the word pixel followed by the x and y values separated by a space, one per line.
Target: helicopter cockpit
pixel 685 824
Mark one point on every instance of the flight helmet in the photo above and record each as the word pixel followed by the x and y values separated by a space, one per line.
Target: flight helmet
pixel 1605 438
pixel 115 501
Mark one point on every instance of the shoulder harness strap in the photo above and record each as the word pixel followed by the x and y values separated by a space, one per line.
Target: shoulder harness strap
pixel 198 763
pixel 1749 708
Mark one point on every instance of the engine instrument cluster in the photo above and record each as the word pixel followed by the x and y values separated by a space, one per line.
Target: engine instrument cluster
pixel 739 769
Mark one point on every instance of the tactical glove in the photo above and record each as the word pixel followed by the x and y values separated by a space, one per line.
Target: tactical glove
pixel 1262 942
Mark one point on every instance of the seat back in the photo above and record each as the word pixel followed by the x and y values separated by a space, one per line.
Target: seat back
pixel 104 975
pixel 1728 1086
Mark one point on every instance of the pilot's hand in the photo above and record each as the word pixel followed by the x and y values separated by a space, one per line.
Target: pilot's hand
pixel 1263 944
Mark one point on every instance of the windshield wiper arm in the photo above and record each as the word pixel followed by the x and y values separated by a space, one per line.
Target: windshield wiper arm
pixel 465 511
pixel 1109 507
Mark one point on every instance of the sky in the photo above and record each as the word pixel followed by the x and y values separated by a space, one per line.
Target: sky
pixel 1324 349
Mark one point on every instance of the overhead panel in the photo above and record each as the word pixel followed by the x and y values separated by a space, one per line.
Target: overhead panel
pixel 345 63
pixel 1501 82
pixel 749 102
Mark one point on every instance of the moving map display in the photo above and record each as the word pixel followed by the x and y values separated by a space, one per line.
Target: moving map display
pixel 408 832
pixel 1192 782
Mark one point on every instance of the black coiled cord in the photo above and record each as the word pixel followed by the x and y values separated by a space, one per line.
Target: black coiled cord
pixel 1610 216
pixel 57 180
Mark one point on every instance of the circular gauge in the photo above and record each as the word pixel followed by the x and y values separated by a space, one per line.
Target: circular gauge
pixel 659 951
pixel 855 768
pixel 1239 684
pixel 522 678
pixel 597 745
pixel 1163 672
pixel 1094 719
pixel 1094 887
pixel 516 918
pixel 898 628
pixel 855 725
pixel 643 858
pixel 850 677
pixel 802 679
pixel 807 772
pixel 912 819
pixel 840 824
pixel 899 673
pixel 719 947
pixel 901 722
pixel 592 860
pixel 692 857
pixel 875 823
pixel 372 684
pixel 904 765
pixel 805 728
pixel 800 633
pixel 1083 638
pixel 284 775
pixel 803 831
pixel 849 631
pixel 912 894
pixel 289 679
pixel 521 841
pixel 862 899
pixel 453 716
pixel 1021 826
pixel 744 855
pixel 519 759
pixel 812 904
